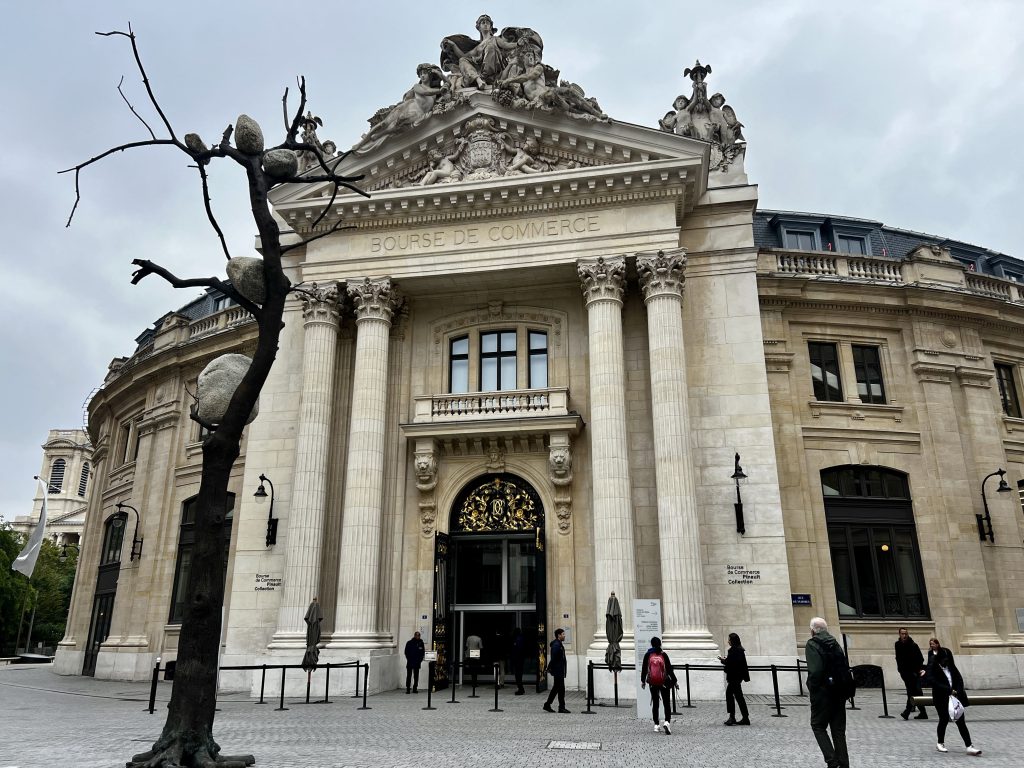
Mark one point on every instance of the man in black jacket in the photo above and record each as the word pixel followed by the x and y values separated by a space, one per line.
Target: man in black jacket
pixel 557 668
pixel 909 663
pixel 828 711
pixel 414 652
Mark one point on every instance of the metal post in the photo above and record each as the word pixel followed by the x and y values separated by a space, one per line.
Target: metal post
pixel 673 689
pixel 497 664
pixel 885 704
pixel 263 683
pixel 615 674
pixel 430 683
pixel 775 686
pixel 799 677
pixel 152 687
pixel 689 704
pixel 366 682
pixel 356 694
pixel 452 682
pixel 327 686
pixel 281 707
pixel 590 687
pixel 309 681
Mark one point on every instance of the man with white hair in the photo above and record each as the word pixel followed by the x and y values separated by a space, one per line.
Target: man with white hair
pixel 828 694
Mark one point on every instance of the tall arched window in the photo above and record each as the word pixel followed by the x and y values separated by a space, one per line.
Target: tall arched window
pixel 57 475
pixel 876 563
pixel 83 481
pixel 186 545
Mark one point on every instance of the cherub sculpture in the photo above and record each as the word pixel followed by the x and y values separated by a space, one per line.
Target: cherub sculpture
pixel 443 166
pixel 526 158
pixel 538 93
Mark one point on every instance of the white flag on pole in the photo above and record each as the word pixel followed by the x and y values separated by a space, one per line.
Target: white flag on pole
pixel 26 561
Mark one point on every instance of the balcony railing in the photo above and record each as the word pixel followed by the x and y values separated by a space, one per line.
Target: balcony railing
pixel 226 318
pixel 828 266
pixel 516 403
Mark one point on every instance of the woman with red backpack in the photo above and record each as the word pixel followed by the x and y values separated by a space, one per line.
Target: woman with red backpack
pixel 657 670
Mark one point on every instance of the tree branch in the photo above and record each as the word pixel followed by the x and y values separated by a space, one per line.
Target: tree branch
pixel 209 210
pixel 145 78
pixel 284 109
pixel 336 227
pixel 152 135
pixel 146 267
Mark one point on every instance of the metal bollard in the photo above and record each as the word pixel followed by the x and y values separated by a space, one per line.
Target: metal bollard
pixel 152 687
pixel 451 682
pixel 327 687
pixel 673 689
pixel 263 684
pixel 885 704
pixel 799 677
pixel 615 675
pixel 497 664
pixel 775 686
pixel 356 694
pixel 689 704
pixel 309 682
pixel 430 684
pixel 590 687
pixel 281 707
pixel 366 682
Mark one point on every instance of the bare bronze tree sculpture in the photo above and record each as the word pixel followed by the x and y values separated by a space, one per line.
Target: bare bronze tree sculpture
pixel 187 737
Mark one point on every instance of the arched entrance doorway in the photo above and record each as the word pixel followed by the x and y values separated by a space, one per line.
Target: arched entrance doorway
pixel 489 581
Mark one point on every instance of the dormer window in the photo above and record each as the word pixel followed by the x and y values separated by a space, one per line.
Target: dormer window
pixel 801 239
pixel 853 244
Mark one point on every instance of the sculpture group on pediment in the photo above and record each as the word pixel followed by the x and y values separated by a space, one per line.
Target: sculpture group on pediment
pixel 327 149
pixel 485 152
pixel 531 84
pixel 416 106
pixel 707 119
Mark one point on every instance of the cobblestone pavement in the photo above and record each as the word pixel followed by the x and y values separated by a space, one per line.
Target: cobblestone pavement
pixel 48 720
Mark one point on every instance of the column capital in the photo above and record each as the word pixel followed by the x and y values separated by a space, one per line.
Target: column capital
pixel 320 304
pixel 374 299
pixel 662 273
pixel 603 279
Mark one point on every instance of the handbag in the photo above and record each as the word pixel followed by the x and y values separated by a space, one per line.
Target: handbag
pixel 956 709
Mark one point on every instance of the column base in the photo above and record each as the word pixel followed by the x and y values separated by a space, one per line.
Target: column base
pixel 368 643
pixel 288 640
pixel 599 645
pixel 697 644
pixel 982 640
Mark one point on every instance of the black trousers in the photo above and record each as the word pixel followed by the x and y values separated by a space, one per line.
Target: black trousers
pixel 517 670
pixel 660 693
pixel 912 682
pixel 830 715
pixel 734 696
pixel 557 689
pixel 961 724
pixel 412 675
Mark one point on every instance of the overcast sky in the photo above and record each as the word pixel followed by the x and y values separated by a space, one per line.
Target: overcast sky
pixel 904 112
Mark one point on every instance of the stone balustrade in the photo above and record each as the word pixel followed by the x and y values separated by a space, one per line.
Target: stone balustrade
pixel 879 270
pixel 218 321
pixel 517 403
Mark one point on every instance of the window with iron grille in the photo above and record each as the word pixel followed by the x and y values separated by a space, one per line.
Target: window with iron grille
pixel 57 476
pixel 83 481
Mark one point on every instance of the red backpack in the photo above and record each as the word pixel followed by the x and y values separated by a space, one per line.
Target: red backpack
pixel 656 669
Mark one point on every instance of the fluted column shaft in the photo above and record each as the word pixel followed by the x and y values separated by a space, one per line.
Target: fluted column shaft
pixel 684 619
pixel 320 313
pixel 603 283
pixel 362 511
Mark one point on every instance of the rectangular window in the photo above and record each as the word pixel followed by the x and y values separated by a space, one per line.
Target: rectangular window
pixel 497 361
pixel 868 366
pixel 825 371
pixel 538 344
pixel 1008 390
pixel 801 240
pixel 458 365
pixel 126 442
pixel 851 244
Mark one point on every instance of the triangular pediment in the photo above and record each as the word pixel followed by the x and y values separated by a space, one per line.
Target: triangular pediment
pixel 482 154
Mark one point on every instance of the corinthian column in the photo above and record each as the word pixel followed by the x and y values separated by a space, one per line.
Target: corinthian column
pixel 320 313
pixel 604 282
pixel 362 511
pixel 684 620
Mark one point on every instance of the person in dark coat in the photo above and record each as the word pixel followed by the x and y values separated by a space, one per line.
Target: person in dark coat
pixel 946 682
pixel 517 658
pixel 659 691
pixel 828 712
pixel 736 673
pixel 414 652
pixel 557 668
pixel 909 663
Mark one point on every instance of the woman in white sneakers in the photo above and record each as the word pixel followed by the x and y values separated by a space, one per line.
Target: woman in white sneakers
pixel 947 681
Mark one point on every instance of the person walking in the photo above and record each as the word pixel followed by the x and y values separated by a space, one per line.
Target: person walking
pixel 414 652
pixel 736 673
pixel 657 670
pixel 517 658
pixel 828 702
pixel 946 682
pixel 557 668
pixel 909 663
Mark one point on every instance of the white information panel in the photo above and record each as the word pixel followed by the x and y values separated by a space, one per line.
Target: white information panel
pixel 646 624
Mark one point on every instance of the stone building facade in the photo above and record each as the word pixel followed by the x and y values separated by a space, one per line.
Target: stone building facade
pixel 543 362
pixel 67 473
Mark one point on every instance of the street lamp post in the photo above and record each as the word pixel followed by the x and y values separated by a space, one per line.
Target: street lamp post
pixel 738 475
pixel 260 495
pixel 985 520
pixel 136 541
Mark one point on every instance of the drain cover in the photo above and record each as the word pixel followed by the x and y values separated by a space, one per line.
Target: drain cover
pixel 574 745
